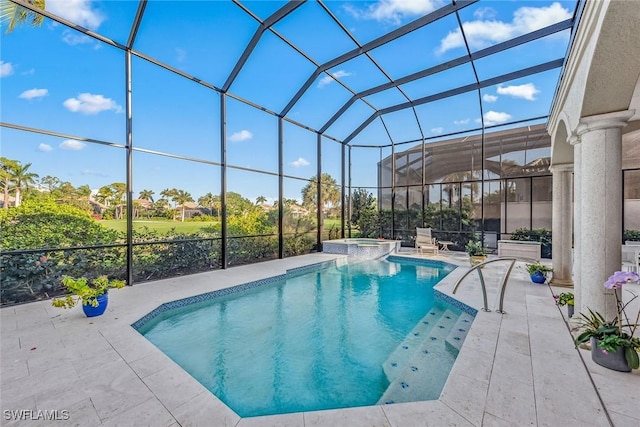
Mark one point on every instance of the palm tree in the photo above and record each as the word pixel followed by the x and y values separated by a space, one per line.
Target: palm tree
pixel 260 200
pixel 119 190
pixel 6 168
pixel 146 195
pixel 168 193
pixel 22 180
pixel 159 206
pixel 208 201
pixel 217 205
pixel 104 195
pixel 180 198
pixel 330 193
pixel 17 15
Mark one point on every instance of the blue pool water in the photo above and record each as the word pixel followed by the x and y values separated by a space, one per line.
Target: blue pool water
pixel 314 341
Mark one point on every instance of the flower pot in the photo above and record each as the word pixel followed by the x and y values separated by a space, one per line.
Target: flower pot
pixel 90 311
pixel 570 310
pixel 613 360
pixel 477 259
pixel 538 277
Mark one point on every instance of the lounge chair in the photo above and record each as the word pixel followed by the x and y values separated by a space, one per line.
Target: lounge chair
pixel 424 241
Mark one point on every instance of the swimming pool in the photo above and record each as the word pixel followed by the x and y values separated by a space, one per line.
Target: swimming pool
pixel 326 338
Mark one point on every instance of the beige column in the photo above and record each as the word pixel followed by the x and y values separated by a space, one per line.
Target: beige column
pixel 577 223
pixel 600 207
pixel 562 225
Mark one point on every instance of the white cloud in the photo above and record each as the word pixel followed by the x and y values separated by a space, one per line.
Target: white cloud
pixel 437 130
pixel 77 11
pixel 489 98
pixel 72 144
pixel 494 118
pixel 526 91
pixel 45 148
pixel 327 79
pixel 88 103
pixel 30 72
pixel 300 162
pixel 461 122
pixel 482 33
pixel 243 135
pixel 72 38
pixel 33 93
pixel 6 69
pixel 485 13
pixel 394 10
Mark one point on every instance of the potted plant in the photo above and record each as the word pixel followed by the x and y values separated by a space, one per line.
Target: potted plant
pixel 476 251
pixel 613 344
pixel 538 272
pixel 565 298
pixel 94 294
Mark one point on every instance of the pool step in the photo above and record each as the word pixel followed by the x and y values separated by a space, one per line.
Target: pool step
pixel 434 326
pixel 458 333
pixel 424 373
pixel 398 358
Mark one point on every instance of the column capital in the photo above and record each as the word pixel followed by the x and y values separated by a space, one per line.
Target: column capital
pixel 573 139
pixel 561 167
pixel 616 119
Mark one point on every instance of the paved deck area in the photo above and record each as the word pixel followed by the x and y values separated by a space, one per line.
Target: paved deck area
pixel 514 369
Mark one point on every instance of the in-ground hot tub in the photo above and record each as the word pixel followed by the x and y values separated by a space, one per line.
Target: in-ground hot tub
pixel 360 249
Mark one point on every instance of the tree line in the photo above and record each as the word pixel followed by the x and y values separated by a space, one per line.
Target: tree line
pixel 18 181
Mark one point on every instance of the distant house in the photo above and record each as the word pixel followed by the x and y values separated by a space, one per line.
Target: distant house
pixel 11 200
pixel 298 211
pixel 266 207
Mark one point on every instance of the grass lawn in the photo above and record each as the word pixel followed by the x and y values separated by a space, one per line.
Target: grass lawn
pixel 160 226
pixel 183 227
pixel 331 222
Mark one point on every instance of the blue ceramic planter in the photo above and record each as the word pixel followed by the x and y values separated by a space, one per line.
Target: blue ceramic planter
pixel 538 277
pixel 103 301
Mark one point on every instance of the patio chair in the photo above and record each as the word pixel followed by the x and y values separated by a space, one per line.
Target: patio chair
pixel 424 241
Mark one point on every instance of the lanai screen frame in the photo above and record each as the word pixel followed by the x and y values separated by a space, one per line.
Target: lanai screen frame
pixel 451 9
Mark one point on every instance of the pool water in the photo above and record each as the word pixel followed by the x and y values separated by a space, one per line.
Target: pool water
pixel 316 340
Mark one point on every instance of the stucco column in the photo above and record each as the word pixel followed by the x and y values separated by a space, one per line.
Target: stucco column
pixel 577 223
pixel 600 207
pixel 562 225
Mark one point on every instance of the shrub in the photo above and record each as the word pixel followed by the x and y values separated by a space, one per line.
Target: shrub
pixel 633 235
pixel 46 224
pixel 42 224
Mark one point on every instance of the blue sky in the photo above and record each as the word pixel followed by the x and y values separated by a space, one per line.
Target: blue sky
pixel 57 79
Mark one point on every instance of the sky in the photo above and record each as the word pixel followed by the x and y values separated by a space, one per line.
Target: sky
pixel 57 79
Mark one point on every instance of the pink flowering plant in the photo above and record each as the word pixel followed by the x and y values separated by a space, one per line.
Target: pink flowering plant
pixel 619 332
pixel 565 298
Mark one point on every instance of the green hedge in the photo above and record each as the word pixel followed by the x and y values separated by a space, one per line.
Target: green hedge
pixel 633 235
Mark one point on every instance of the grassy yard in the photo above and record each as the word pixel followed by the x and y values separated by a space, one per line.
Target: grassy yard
pixel 183 227
pixel 161 226
pixel 331 222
